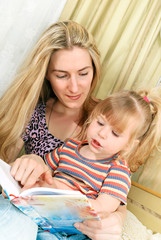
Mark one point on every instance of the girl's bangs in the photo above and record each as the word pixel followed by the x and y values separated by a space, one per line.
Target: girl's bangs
pixel 118 119
pixel 119 112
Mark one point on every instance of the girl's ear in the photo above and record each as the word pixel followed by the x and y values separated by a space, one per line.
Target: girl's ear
pixel 136 142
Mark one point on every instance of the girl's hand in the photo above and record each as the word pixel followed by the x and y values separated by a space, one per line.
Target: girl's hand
pixel 29 169
pixel 108 228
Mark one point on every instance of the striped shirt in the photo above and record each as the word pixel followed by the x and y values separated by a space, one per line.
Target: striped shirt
pixel 91 177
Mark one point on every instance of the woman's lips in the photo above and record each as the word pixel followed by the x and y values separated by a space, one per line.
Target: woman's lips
pixel 95 143
pixel 74 97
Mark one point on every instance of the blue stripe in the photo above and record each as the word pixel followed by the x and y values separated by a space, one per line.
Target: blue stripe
pixel 118 178
pixel 121 169
pixel 106 186
pixel 52 157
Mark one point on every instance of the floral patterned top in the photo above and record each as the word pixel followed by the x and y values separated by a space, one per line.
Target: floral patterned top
pixel 37 138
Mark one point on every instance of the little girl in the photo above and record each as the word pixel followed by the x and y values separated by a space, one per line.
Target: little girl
pixel 119 135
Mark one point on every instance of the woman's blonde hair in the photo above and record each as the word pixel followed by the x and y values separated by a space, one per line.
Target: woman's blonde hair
pixel 30 86
pixel 143 108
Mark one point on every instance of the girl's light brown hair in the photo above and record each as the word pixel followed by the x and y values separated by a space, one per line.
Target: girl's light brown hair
pixel 30 86
pixel 125 106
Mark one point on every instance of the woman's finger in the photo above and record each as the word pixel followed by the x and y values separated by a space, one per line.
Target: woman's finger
pixel 33 174
pixel 18 169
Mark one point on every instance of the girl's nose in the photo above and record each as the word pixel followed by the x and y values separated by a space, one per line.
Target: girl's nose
pixel 103 133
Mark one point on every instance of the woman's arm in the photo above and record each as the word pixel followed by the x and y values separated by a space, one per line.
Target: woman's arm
pixel 108 228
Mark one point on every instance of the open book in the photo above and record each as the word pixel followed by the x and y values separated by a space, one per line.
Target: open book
pixel 53 210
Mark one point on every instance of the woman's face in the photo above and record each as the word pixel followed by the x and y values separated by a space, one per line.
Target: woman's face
pixel 70 73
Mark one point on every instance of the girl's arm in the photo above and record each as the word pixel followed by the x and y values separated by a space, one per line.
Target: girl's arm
pixel 105 203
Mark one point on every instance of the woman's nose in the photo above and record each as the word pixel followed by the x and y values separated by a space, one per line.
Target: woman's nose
pixel 73 85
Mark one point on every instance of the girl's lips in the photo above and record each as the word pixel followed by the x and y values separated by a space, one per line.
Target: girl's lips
pixel 74 97
pixel 95 143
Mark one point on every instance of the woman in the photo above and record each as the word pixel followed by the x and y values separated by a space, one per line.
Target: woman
pixel 57 80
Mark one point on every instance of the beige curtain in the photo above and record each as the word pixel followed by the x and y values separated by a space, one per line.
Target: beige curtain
pixel 127 33
pixel 150 173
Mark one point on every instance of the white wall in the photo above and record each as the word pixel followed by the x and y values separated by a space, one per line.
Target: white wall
pixel 21 23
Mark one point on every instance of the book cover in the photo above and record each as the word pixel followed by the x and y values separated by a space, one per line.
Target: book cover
pixel 54 210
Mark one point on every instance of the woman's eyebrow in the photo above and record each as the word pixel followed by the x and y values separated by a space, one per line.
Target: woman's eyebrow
pixel 85 68
pixel 58 70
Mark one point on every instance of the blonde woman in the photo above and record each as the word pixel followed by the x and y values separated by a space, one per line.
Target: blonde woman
pixel 46 104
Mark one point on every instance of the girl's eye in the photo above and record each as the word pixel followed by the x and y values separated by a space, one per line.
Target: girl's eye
pixel 100 123
pixel 115 134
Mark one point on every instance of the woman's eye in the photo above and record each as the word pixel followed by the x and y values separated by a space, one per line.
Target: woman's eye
pixel 115 134
pixel 61 76
pixel 83 74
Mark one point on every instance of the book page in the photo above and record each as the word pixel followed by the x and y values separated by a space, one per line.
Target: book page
pixel 8 183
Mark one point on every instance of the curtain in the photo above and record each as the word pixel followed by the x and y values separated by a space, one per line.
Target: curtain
pixel 149 174
pixel 128 36
pixel 21 23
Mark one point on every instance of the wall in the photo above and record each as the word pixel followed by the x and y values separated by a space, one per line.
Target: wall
pixel 21 23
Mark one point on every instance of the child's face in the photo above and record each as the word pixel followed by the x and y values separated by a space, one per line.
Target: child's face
pixel 104 141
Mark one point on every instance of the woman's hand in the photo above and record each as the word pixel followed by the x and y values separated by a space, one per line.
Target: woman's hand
pixel 108 228
pixel 29 169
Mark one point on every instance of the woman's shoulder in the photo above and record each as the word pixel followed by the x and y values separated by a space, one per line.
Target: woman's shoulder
pixel 40 107
pixel 39 112
pixel 38 115
pixel 44 107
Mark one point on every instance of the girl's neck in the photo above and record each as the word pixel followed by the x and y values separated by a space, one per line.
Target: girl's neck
pixel 85 151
